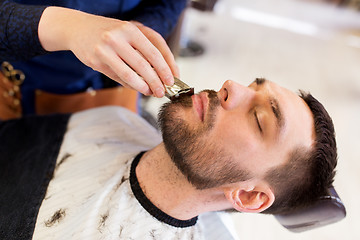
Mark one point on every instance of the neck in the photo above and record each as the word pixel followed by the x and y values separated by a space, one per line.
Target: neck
pixel 169 190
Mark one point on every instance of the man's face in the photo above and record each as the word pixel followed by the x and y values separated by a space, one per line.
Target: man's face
pixel 238 133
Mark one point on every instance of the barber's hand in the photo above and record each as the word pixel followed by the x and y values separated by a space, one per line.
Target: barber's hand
pixel 122 50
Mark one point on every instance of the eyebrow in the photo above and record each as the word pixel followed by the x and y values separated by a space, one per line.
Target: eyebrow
pixel 260 81
pixel 275 107
pixel 274 103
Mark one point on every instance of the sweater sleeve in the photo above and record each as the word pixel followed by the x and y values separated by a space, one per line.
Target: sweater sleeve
pixel 160 15
pixel 19 38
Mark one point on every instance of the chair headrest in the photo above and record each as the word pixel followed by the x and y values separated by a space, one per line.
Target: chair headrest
pixel 329 209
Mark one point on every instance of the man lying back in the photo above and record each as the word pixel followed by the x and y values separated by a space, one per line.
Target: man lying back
pixel 260 148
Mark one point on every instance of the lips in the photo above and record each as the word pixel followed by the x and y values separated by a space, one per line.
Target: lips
pixel 200 103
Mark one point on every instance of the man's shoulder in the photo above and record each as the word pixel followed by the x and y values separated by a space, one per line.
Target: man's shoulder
pixel 106 113
pixel 118 120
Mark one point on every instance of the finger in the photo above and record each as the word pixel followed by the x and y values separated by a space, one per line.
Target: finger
pixel 143 68
pixel 161 45
pixel 159 42
pixel 136 61
pixel 121 72
pixel 154 57
pixel 106 70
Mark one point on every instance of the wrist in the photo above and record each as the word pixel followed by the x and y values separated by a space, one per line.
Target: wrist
pixel 56 26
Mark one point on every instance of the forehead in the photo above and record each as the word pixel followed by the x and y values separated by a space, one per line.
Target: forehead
pixel 299 123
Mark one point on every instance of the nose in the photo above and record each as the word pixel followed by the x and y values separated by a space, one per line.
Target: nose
pixel 233 94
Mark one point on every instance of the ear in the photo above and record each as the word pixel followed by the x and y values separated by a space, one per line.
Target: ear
pixel 250 200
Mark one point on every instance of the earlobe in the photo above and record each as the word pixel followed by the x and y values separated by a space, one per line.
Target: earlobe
pixel 250 200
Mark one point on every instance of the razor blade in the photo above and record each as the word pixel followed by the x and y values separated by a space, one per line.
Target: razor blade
pixel 179 88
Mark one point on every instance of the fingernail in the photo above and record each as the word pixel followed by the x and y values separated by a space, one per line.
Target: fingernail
pixel 159 92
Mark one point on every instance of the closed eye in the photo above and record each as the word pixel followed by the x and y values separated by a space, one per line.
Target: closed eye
pixel 257 121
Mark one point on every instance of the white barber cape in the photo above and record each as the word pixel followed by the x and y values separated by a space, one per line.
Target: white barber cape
pixel 90 196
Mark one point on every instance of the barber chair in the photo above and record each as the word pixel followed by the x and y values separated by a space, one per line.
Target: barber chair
pixel 328 209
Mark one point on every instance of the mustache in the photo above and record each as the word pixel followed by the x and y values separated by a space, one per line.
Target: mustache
pixel 168 108
pixel 214 103
pixel 212 94
pixel 185 100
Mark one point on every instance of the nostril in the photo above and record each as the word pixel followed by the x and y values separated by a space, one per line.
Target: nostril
pixel 226 94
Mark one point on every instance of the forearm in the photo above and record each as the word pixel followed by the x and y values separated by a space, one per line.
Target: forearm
pixel 19 31
pixel 57 27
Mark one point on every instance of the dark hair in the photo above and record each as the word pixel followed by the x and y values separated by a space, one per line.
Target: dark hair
pixel 309 172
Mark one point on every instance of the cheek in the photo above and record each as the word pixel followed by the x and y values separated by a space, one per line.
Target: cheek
pixel 234 130
pixel 235 134
pixel 237 139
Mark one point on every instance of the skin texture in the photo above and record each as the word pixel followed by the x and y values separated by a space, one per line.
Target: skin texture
pixel 235 132
pixel 127 52
pixel 242 124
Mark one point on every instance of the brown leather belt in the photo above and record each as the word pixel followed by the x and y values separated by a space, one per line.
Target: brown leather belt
pixel 47 103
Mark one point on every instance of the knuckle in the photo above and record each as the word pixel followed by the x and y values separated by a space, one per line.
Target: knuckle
pixel 127 26
pixel 142 64
pixel 155 57
pixel 94 63
pixel 127 77
pixel 98 50
pixel 163 71
pixel 152 78
pixel 154 83
pixel 108 37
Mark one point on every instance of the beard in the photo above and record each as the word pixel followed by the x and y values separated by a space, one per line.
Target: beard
pixel 202 160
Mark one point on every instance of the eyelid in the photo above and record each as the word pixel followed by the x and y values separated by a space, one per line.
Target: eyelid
pixel 257 121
